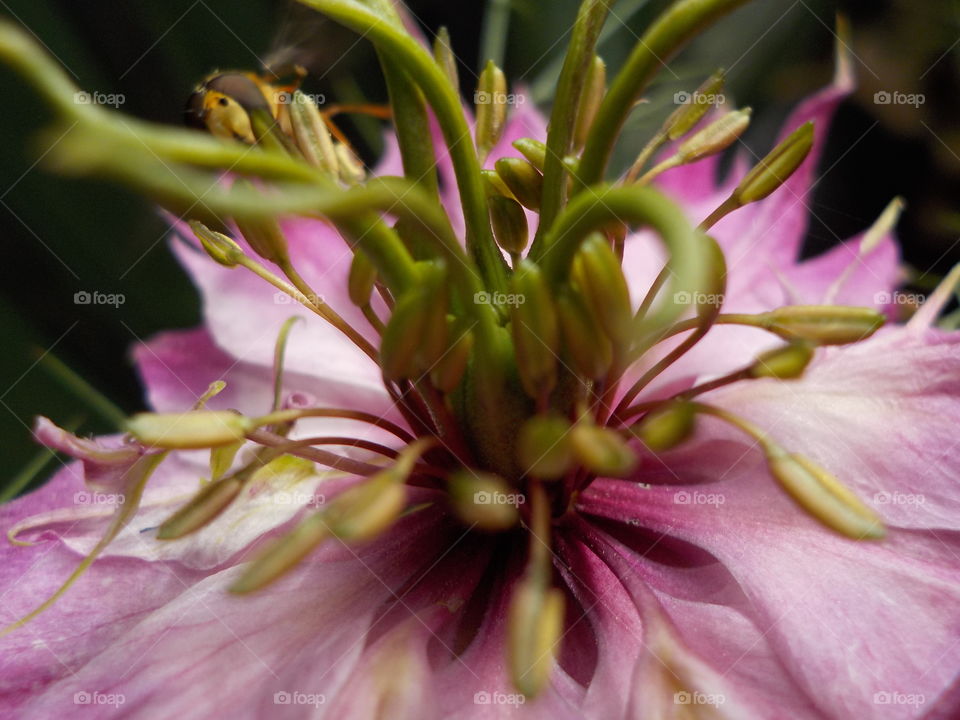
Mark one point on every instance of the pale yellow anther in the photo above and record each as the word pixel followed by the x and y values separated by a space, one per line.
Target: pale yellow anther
pixel 196 429
pixel 311 134
pixel 824 496
pixel 534 629
pixel 201 509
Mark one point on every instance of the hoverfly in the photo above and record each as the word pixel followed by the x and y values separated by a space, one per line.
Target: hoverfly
pixel 243 105
pixel 225 102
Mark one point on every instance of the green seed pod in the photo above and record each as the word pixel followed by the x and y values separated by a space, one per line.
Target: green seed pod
pixel 221 248
pixel 533 150
pixel 824 496
pixel 443 54
pixel 523 179
pixel 416 334
pixel 189 430
pixel 683 119
pixel 774 170
pixel 602 451
pixel 544 447
pixel 494 185
pixel 716 137
pixel 484 500
pixel 490 101
pixel 666 427
pixel 823 324
pixel 361 280
pixel 436 298
pixel 590 350
pixel 311 134
pixel 509 224
pixel 201 509
pixel 449 370
pixel 534 629
pixel 590 99
pixel 535 330
pixel 784 363
pixel 351 169
pixel 597 272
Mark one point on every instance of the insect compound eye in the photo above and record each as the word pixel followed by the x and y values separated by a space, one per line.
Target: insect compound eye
pixel 193 112
pixel 240 88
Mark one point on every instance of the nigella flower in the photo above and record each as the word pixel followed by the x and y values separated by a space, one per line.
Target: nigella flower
pixel 578 477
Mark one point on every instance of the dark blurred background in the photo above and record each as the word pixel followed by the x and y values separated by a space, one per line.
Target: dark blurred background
pixel 64 236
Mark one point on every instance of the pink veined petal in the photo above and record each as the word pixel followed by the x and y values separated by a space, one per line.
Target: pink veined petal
pixel 881 414
pixel 694 610
pixel 410 667
pixel 109 601
pixel 177 367
pixel 649 665
pixel 224 654
pixel 613 622
pixel 774 227
pixel 105 460
pixel 842 276
pixel 831 608
pixel 393 679
pixel 478 687
pixel 263 507
pixel 244 314
pixel 839 276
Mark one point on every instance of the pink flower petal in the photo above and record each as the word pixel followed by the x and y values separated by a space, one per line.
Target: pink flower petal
pixel 831 608
pixel 881 414
pixel 306 634
pixel 105 460
pixel 244 313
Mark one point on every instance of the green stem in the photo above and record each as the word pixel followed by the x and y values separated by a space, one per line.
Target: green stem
pixel 563 118
pixel 33 468
pixel 598 206
pixel 93 398
pixel 678 24
pixel 443 98
pixel 409 113
pixel 496 24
